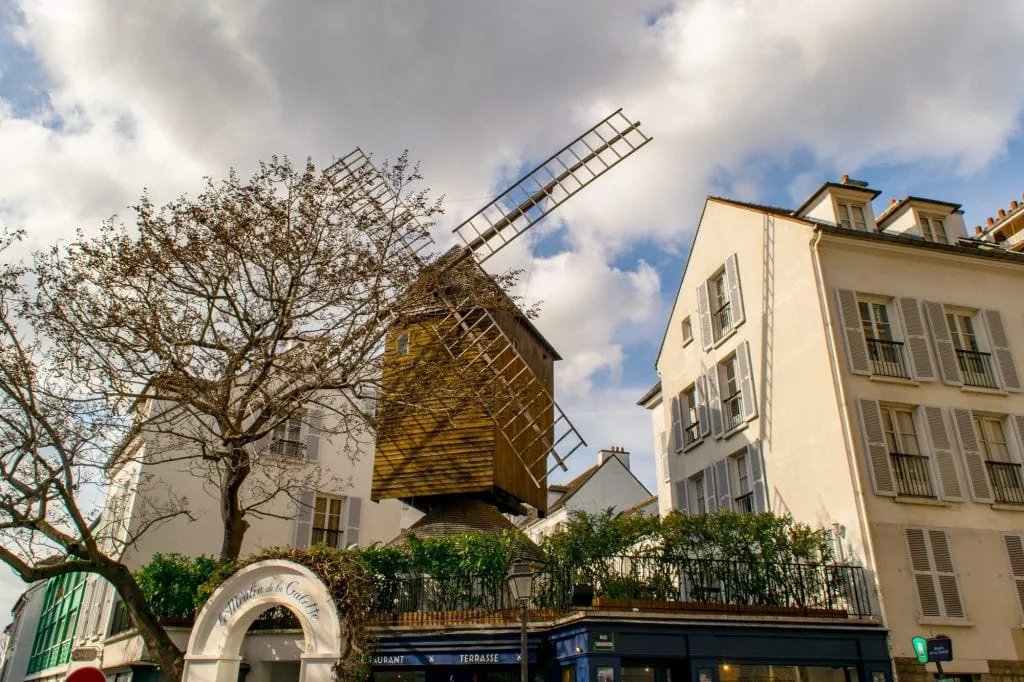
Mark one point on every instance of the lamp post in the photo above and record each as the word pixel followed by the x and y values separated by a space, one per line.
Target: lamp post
pixel 520 583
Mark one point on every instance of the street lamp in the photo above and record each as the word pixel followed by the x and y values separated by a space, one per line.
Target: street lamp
pixel 520 584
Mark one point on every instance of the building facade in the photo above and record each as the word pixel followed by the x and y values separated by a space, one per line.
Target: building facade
pixel 860 372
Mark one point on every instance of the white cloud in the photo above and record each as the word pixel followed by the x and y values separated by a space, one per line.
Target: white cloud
pixel 156 93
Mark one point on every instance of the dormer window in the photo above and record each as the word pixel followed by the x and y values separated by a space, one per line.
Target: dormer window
pixel 933 229
pixel 852 215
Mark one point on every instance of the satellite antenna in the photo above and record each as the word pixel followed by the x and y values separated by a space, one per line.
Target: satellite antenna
pixel 495 447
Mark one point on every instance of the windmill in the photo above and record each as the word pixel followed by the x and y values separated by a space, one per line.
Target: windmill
pixel 491 441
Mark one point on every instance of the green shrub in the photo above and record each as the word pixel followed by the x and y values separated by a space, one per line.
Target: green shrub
pixel 171 583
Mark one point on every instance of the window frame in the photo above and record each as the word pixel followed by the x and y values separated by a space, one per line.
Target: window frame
pixel 731 362
pixel 687 330
pixel 928 233
pixel 848 205
pixel 980 419
pixel 298 443
pixel 954 316
pixel 700 498
pixel 402 343
pixel 341 530
pixel 688 402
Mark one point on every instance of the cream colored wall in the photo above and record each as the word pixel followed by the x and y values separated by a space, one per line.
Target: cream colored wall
pixel 974 529
pixel 905 222
pixel 661 460
pixel 159 479
pixel 824 208
pixel 807 471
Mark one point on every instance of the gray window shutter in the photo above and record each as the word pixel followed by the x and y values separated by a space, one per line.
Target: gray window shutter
pixel 875 447
pixel 920 359
pixel 755 470
pixel 714 402
pixel 974 461
pixel 732 278
pixel 853 333
pixel 677 426
pixel 710 495
pixel 353 517
pixel 1015 554
pixel 701 395
pixel 682 496
pixel 945 351
pixel 722 484
pixel 949 587
pixel 942 453
pixel 704 312
pixel 304 518
pixel 1001 349
pixel 664 457
pixel 1018 421
pixel 924 573
pixel 747 381
pixel 315 422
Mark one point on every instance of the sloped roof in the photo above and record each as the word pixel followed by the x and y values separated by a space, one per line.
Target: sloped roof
pixel 467 516
pixel 639 505
pixel 573 487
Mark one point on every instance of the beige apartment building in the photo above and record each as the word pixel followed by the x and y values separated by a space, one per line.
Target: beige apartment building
pixel 862 373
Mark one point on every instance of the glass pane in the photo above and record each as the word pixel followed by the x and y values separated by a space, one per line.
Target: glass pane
pixel 844 216
pixel 967 329
pixel 334 518
pixel 890 430
pixel 859 222
pixel 865 319
pixel 908 434
pixel 882 321
pixel 320 512
pixel 982 437
pixel 951 322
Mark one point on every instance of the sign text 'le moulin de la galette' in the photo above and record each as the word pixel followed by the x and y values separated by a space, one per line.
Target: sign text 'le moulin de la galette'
pixel 290 589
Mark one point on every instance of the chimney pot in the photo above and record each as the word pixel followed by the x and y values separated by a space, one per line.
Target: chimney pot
pixel 1014 205
pixel 989 221
pixel 1001 214
pixel 846 179
pixel 892 202
pixel 977 229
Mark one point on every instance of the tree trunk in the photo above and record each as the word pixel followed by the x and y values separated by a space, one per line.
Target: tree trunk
pixel 168 656
pixel 231 514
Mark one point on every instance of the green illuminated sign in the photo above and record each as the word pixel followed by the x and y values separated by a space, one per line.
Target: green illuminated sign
pixel 920 648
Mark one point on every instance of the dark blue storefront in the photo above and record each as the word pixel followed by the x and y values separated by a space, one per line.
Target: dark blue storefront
pixel 611 649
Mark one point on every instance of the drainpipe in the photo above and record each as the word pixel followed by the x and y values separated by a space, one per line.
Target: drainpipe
pixel 844 417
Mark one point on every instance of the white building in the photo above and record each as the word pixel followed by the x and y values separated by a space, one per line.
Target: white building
pixel 610 483
pixel 19 634
pixel 860 372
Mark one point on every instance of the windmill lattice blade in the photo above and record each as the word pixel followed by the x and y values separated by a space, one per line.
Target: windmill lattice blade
pixel 528 418
pixel 370 191
pixel 548 186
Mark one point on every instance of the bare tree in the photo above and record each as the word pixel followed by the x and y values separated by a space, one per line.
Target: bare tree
pixel 58 442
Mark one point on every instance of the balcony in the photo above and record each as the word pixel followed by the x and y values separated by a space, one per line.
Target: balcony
pixel 744 504
pixel 912 477
pixel 887 358
pixel 976 368
pixel 732 411
pixel 691 434
pixel 722 319
pixel 1007 484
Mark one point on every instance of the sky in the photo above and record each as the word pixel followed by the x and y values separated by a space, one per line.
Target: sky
pixel 755 100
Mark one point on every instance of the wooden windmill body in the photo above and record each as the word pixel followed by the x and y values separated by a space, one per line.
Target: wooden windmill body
pixel 484 427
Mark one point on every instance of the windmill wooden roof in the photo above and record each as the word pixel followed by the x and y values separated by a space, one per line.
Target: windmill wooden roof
pixel 467 516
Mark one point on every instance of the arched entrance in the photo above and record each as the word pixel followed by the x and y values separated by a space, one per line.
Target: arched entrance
pixel 214 648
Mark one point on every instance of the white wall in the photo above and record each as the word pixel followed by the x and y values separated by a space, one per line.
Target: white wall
pixel 23 632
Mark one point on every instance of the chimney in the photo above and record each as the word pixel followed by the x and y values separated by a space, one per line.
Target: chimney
pixel 1001 214
pixel 1014 205
pixel 977 229
pixel 892 202
pixel 616 451
pixel 989 221
pixel 846 179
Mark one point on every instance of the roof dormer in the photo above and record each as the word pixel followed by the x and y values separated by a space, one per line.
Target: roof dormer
pixel 929 219
pixel 846 204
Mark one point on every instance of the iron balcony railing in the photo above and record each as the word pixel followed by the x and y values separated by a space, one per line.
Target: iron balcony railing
pixel 733 409
pixel 691 434
pixel 976 368
pixel 326 536
pixel 722 585
pixel 887 358
pixel 744 504
pixel 1007 484
pixel 912 476
pixel 723 320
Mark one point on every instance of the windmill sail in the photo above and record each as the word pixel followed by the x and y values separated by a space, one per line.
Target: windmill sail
pixel 551 184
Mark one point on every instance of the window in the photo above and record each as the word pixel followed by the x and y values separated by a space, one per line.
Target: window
pixel 852 216
pixel 687 331
pixel 702 502
pixel 732 396
pixel 874 318
pixel 931 562
pixel 1003 472
pixel 721 315
pixel 744 502
pixel 933 229
pixel 58 620
pixel 286 440
pixel 909 466
pixel 692 433
pixel 403 344
pixel 992 438
pixel 327 528
pixel 961 327
pixel 884 351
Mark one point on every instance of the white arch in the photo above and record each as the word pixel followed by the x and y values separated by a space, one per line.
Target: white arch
pixel 214 647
